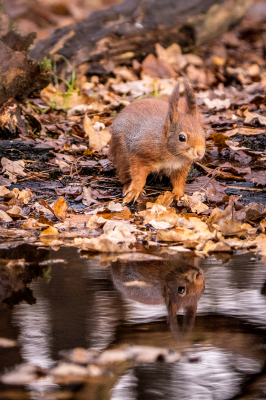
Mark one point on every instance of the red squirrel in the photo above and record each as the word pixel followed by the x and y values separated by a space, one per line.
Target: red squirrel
pixel 152 135
pixel 176 282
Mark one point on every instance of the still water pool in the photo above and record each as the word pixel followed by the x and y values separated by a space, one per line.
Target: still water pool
pixel 55 301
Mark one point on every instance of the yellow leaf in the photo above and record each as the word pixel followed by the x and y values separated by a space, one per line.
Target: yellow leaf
pixel 51 231
pixel 60 208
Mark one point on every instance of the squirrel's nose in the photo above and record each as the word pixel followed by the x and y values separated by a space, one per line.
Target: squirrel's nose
pixel 200 153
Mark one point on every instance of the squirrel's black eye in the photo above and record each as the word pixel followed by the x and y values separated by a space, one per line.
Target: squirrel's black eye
pixel 182 138
pixel 181 289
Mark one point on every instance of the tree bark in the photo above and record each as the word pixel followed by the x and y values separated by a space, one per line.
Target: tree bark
pixel 131 30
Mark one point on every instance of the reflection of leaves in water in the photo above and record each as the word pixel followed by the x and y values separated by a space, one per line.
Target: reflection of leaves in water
pixel 19 296
pixel 45 274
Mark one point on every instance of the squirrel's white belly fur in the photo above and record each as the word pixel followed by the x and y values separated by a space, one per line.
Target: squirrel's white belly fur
pixel 169 166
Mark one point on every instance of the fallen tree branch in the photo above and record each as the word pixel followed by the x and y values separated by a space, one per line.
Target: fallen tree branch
pixel 131 30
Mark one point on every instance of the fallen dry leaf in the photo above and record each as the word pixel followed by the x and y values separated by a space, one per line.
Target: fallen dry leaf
pixel 157 68
pixel 87 196
pixel 3 191
pixel 172 55
pixel 15 210
pixel 211 247
pixel 106 243
pixel 43 208
pixel 159 224
pixel 254 211
pixel 158 214
pixel 176 235
pixel 263 225
pixel 69 190
pixel 215 215
pixel 13 168
pixel 250 116
pixel 31 223
pixel 5 217
pixel 237 244
pixel 137 88
pixel 196 202
pixel 118 237
pixel 229 227
pixel 60 208
pixel 217 103
pixel 24 194
pixel 259 178
pixel 113 206
pixel 165 199
pixel 65 167
pixel 51 231
pixel 179 249
pixel 123 226
pixel 98 139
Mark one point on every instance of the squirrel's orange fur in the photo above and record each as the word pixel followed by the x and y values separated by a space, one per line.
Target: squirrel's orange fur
pixel 146 137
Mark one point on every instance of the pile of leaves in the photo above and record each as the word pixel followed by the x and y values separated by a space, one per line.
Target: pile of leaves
pixel 195 223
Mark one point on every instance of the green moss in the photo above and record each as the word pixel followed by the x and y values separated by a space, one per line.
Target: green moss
pixel 45 65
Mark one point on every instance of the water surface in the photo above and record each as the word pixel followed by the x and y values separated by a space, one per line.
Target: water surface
pixel 64 299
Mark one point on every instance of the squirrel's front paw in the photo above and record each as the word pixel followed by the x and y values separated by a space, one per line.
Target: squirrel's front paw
pixel 126 187
pixel 132 193
pixel 178 194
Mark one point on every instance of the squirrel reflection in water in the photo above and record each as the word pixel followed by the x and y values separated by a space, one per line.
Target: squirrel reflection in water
pixel 177 282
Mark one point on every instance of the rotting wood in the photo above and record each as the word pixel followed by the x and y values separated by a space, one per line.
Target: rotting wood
pixel 20 76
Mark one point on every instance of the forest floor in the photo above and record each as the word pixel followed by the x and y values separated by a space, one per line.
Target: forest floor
pixel 58 186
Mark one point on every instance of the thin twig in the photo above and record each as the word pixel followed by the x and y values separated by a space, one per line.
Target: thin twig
pixel 213 173
pixel 244 188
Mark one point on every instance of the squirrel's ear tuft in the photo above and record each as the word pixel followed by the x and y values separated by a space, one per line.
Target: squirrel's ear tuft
pixel 173 105
pixel 192 107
